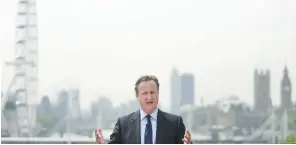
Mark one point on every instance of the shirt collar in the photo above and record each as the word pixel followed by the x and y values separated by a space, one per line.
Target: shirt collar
pixel 153 114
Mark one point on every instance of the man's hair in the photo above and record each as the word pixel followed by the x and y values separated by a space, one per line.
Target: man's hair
pixel 144 79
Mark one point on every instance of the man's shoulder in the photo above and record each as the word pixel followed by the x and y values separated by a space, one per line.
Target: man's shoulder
pixel 170 116
pixel 128 116
pixel 134 115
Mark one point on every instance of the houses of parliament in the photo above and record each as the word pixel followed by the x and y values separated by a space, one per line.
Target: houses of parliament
pixel 262 97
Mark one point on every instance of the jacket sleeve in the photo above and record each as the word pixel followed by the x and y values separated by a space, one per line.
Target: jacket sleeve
pixel 115 137
pixel 181 131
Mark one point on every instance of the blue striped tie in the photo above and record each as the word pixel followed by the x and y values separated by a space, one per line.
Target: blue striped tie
pixel 148 131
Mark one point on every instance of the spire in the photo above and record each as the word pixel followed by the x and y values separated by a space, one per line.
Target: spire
pixel 286 71
pixel 286 80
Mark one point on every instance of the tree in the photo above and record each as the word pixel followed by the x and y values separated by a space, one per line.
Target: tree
pixel 44 120
pixel 290 139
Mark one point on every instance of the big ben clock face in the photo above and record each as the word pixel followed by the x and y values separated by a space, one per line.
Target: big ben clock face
pixel 286 88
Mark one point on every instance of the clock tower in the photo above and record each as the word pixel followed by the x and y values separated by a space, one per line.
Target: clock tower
pixel 286 91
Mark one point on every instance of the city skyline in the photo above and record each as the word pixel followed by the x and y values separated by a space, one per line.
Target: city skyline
pixel 177 84
pixel 102 40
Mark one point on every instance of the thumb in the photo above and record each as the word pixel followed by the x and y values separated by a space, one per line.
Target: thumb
pixel 100 131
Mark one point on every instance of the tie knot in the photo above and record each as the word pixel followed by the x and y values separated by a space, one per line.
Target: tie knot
pixel 148 116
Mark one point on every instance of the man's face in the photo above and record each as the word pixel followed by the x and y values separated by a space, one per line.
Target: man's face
pixel 148 96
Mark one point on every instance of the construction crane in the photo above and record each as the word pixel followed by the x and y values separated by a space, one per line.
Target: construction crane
pixel 24 84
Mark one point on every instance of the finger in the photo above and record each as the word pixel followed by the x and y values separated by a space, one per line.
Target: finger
pixel 99 136
pixel 188 132
pixel 187 136
pixel 99 133
pixel 96 133
pixel 185 141
pixel 100 130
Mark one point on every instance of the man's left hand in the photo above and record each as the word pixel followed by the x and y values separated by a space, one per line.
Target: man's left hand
pixel 187 137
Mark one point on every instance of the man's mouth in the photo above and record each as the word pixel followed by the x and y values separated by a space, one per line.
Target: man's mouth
pixel 150 102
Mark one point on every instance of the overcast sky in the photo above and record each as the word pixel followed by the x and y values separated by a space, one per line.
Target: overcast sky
pixel 106 45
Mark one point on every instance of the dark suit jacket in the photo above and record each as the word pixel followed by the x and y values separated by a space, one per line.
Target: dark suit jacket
pixel 170 129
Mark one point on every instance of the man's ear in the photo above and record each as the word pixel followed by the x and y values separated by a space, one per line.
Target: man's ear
pixel 137 96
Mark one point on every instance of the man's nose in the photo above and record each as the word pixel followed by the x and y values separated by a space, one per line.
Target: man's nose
pixel 149 96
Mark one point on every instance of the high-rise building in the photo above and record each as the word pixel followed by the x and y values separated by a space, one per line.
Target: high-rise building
pixel 75 104
pixel 175 92
pixel 62 106
pixel 45 107
pixel 68 104
pixel 187 89
pixel 286 90
pixel 105 110
pixel 262 99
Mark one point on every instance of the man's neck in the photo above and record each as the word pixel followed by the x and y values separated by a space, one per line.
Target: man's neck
pixel 153 114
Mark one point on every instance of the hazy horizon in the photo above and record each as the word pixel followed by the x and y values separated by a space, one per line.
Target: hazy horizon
pixel 104 46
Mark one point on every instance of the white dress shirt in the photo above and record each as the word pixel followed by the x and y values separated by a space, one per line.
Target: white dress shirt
pixel 144 122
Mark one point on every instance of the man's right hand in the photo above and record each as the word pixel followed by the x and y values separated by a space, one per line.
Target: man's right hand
pixel 99 136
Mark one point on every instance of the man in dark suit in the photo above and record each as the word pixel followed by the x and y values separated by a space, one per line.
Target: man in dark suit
pixel 149 125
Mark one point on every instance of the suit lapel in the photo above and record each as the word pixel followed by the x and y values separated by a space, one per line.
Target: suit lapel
pixel 135 128
pixel 160 127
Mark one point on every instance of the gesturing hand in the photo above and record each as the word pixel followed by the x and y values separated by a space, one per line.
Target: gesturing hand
pixel 99 136
pixel 187 137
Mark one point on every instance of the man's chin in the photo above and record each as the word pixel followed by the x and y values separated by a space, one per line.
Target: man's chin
pixel 149 109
